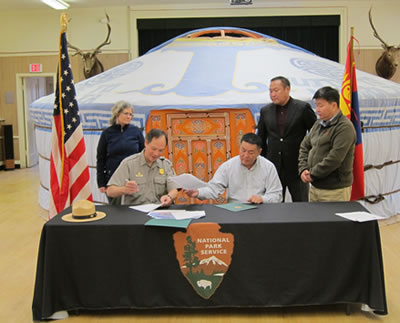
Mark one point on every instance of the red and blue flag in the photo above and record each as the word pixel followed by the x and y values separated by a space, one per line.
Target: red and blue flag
pixel 350 108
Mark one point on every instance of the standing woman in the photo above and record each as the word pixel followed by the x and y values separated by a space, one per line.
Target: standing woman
pixel 117 142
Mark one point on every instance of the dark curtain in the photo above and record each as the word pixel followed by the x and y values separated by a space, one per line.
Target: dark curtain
pixel 318 34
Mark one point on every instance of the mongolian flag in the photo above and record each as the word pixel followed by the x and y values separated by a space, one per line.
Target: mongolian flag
pixel 69 172
pixel 350 108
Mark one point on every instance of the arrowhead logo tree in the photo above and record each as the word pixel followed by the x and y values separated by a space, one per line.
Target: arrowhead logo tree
pixel 204 256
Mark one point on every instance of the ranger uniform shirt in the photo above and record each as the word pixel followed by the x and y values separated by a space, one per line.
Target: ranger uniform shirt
pixel 153 181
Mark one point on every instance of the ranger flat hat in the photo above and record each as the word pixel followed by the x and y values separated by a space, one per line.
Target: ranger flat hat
pixel 83 211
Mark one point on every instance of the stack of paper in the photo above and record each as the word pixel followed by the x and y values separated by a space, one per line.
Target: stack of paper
pixel 360 216
pixel 145 207
pixel 176 214
pixel 173 218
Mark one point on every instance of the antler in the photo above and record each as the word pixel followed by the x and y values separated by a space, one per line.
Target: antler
pixel 78 51
pixel 107 41
pixel 384 44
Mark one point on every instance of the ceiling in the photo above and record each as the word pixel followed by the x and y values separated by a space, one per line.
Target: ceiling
pixel 37 4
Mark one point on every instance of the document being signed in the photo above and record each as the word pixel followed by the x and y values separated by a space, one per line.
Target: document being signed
pixel 188 181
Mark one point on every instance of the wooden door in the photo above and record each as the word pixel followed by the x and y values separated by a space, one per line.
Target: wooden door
pixel 199 142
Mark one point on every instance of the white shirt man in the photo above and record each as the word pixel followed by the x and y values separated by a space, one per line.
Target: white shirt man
pixel 248 177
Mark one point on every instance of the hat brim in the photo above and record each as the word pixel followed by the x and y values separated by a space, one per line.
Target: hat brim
pixel 68 217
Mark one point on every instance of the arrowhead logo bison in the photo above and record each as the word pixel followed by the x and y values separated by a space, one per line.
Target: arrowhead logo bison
pixel 204 256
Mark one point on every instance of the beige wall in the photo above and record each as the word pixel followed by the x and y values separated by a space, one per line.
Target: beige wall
pixel 38 30
pixel 32 35
pixel 33 38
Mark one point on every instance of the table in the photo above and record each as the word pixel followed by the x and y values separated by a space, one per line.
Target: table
pixel 285 254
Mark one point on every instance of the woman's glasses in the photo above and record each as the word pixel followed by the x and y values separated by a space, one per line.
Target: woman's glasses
pixel 127 114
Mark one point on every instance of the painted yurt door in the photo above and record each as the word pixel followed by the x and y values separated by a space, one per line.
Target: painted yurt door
pixel 199 142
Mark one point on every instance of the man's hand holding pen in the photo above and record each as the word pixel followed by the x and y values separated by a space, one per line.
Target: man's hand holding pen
pixel 130 187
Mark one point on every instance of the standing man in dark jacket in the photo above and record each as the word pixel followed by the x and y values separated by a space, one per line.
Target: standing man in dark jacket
pixel 282 126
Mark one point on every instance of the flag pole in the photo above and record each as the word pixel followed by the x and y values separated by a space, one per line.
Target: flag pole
pixel 69 170
pixel 64 22
pixel 351 56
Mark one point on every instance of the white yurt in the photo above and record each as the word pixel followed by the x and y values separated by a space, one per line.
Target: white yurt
pixel 230 68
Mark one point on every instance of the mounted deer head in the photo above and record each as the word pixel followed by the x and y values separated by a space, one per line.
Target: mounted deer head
pixel 91 64
pixel 387 63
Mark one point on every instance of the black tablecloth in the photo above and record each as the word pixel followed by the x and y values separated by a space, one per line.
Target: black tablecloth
pixel 285 254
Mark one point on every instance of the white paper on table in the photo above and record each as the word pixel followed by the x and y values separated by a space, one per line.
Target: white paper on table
pixel 146 207
pixel 182 214
pixel 360 216
pixel 177 214
pixel 188 181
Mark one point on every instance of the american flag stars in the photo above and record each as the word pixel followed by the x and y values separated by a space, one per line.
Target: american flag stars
pixel 68 105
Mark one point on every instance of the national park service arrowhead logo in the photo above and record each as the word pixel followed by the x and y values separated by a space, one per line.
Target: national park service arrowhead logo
pixel 204 255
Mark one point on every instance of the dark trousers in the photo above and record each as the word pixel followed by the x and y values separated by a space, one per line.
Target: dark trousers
pixel 298 190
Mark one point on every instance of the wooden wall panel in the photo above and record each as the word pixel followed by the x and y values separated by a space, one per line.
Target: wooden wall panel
pixel 11 65
pixel 108 61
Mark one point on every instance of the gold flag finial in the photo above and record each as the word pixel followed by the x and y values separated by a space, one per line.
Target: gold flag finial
pixel 64 22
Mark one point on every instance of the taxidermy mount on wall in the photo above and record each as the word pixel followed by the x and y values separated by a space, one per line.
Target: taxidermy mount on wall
pixel 387 63
pixel 91 64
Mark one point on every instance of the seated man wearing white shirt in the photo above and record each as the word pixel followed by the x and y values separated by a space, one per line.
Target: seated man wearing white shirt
pixel 248 177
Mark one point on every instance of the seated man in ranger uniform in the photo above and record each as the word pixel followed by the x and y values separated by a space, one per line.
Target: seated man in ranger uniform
pixel 145 177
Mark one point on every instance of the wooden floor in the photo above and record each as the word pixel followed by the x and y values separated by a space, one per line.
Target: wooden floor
pixel 21 221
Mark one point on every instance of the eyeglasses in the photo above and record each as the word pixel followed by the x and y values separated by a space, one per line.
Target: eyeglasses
pixel 127 114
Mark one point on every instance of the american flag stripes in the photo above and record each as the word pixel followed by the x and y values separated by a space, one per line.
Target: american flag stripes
pixel 69 172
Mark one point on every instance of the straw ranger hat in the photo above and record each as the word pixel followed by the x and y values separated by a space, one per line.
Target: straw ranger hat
pixel 83 211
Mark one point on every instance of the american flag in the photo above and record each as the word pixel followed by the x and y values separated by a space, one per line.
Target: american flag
pixel 69 172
